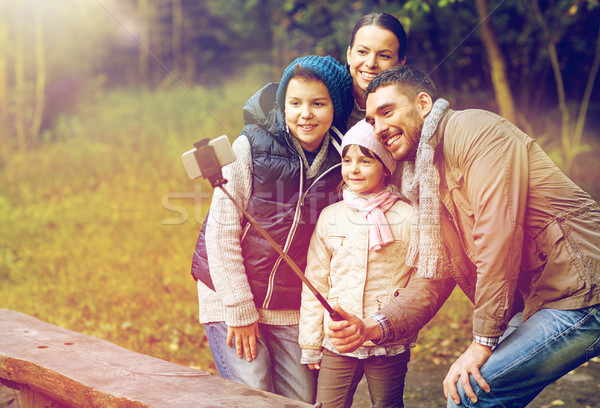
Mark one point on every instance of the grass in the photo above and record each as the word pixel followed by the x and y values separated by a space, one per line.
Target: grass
pixel 98 228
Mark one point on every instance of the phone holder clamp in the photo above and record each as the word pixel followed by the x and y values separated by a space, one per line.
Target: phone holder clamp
pixel 207 159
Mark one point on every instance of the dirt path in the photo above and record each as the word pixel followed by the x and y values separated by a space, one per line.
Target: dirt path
pixel 580 388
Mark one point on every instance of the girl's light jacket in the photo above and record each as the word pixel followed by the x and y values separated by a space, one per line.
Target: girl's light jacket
pixel 344 271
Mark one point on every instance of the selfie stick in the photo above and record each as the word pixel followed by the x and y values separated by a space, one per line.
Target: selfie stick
pixel 211 170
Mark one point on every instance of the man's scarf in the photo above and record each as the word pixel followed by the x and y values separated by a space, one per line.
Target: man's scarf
pixel 421 185
pixel 374 209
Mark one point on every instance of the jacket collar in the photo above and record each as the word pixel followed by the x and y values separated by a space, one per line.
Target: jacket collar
pixel 437 140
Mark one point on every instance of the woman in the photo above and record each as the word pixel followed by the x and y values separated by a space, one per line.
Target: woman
pixel 378 42
pixel 286 171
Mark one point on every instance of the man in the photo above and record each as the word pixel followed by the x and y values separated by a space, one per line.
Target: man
pixel 494 215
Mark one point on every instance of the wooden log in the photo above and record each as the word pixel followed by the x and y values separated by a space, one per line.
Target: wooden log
pixel 33 399
pixel 75 370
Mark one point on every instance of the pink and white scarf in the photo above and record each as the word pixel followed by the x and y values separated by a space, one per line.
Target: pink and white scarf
pixel 374 209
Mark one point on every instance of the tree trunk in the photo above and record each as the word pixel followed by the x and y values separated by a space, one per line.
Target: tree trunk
pixel 502 91
pixel 585 100
pixel 20 92
pixel 4 125
pixel 144 46
pixel 568 149
pixel 40 78
pixel 176 36
pixel 157 38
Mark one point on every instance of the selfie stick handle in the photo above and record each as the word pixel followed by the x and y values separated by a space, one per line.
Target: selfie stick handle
pixel 332 313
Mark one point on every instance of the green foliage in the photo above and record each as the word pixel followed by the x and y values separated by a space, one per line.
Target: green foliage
pixel 216 39
pixel 87 240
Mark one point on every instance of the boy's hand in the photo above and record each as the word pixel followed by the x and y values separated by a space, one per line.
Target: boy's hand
pixel 245 340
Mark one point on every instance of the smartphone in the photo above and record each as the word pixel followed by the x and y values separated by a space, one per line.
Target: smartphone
pixel 223 153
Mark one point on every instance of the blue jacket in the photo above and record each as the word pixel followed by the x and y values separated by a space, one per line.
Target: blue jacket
pixel 283 201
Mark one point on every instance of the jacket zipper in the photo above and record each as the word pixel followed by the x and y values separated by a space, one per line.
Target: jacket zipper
pixel 293 228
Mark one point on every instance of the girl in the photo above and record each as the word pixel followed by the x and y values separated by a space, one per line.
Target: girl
pixel 286 171
pixel 378 41
pixel 356 259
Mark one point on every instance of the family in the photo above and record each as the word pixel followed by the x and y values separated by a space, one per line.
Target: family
pixel 387 199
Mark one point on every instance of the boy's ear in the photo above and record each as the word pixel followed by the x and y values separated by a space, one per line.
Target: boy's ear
pixel 425 103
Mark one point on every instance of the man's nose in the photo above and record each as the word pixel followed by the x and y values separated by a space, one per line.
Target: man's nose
pixel 380 129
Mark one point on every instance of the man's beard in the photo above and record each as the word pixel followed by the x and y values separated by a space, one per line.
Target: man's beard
pixel 412 136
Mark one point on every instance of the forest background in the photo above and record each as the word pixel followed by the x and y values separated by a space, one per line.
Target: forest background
pixel 98 99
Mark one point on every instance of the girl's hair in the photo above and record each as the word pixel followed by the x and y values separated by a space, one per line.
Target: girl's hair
pixel 386 22
pixel 365 151
pixel 368 153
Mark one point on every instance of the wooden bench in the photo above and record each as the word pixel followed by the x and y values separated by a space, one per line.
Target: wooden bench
pixel 55 368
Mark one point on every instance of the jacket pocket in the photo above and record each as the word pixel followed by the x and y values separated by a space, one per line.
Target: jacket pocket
pixel 338 246
pixel 336 241
pixel 548 263
pixel 593 350
pixel 536 250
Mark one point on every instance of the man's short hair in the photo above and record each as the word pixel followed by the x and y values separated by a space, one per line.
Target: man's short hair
pixel 408 81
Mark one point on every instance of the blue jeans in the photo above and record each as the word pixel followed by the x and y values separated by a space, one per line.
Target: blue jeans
pixel 536 353
pixel 276 367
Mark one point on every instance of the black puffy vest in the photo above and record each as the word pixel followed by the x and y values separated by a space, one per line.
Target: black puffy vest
pixel 288 214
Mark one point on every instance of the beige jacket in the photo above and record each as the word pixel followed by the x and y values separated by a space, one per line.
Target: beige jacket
pixel 344 271
pixel 512 222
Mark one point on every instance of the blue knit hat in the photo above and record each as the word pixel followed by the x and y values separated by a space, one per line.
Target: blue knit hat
pixel 335 77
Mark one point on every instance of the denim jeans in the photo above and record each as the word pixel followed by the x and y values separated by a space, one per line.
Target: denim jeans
pixel 276 367
pixel 544 348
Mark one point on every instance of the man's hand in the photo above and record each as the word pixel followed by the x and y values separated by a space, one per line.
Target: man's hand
pixel 245 340
pixel 315 366
pixel 349 334
pixel 468 363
